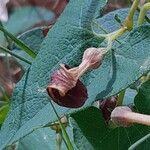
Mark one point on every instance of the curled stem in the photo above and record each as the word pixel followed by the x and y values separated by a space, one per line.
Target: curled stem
pixel 129 20
pixel 128 23
pixel 143 13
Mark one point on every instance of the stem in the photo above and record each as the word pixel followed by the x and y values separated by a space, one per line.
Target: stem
pixel 15 55
pixel 5 97
pixel 137 143
pixel 143 13
pixel 146 18
pixel 64 133
pixel 58 141
pixel 127 25
pixel 133 9
pixel 8 42
pixel 121 97
pixel 114 35
pixel 22 45
pixel 129 20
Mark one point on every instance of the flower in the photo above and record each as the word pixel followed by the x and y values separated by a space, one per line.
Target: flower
pixel 65 88
pixel 73 98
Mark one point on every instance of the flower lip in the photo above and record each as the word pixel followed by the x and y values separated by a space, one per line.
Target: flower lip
pixel 73 98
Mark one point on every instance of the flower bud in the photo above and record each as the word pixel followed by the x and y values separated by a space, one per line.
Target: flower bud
pixel 93 56
pixel 119 116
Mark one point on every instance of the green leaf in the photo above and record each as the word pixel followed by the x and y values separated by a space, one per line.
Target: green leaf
pixel 24 18
pixel 142 99
pixel 3 112
pixel 92 133
pixel 33 38
pixel 43 138
pixel 65 43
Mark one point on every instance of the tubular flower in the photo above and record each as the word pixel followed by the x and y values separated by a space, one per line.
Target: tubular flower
pixel 65 88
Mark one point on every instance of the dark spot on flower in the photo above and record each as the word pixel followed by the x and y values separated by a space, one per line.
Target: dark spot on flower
pixel 107 106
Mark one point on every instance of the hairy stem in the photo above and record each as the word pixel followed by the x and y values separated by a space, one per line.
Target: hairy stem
pixel 143 13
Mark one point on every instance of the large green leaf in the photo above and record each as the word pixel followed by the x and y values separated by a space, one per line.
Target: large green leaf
pixel 92 133
pixel 41 139
pixel 65 43
pixel 142 99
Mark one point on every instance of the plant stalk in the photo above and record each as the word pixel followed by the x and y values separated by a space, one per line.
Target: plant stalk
pixel 128 23
pixel 64 133
pixel 15 55
pixel 143 13
pixel 121 97
pixel 22 45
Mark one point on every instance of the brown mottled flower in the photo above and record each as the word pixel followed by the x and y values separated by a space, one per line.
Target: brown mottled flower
pixel 65 88
pixel 73 98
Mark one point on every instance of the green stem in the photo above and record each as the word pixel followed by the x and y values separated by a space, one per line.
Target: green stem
pixel 129 20
pixel 64 133
pixel 121 97
pixel 137 143
pixel 58 140
pixel 143 13
pixel 127 25
pixel 15 55
pixel 8 42
pixel 146 18
pixel 22 45
pixel 114 35
pixel 5 97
